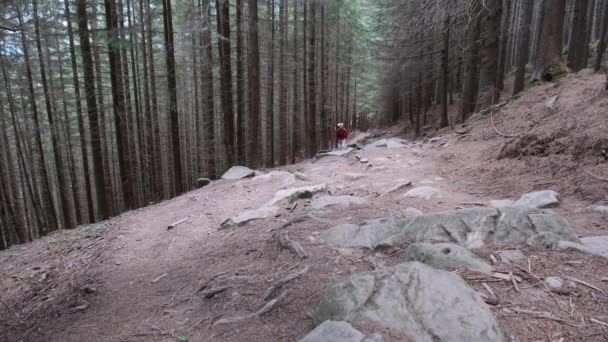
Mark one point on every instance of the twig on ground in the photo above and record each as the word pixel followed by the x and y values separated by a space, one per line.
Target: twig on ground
pixel 261 312
pixel 514 282
pixel 216 290
pixel 489 289
pixel 595 176
pixel 272 291
pixel 292 246
pixel 597 321
pixel 585 283
pixel 176 223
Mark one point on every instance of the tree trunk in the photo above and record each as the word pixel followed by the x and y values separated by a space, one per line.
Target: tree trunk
pixel 270 148
pixel 118 100
pixel 253 61
pixel 81 130
pixel 312 86
pixel 240 86
pixel 207 82
pixel 601 48
pixel 576 47
pixel 470 87
pixel 223 27
pixel 89 89
pixel 283 137
pixel 489 93
pixel 295 151
pixel 444 122
pixel 523 48
pixel 504 38
pixel 551 40
pixel 171 84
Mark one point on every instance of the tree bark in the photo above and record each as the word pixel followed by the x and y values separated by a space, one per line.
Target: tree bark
pixel 253 61
pixel 489 93
pixel 223 26
pixel 551 40
pixel 523 48
pixel 576 47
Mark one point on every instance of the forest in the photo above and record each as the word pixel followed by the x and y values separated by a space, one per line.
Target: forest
pixel 108 106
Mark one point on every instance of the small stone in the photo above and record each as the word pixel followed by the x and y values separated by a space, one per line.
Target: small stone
pixel 511 255
pixel 238 172
pixel 423 192
pixel 539 199
pixel 201 182
pixel 554 282
pixel 412 212
pixel 604 279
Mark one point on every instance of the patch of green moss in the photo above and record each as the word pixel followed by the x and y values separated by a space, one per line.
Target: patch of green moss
pixel 532 85
pixel 557 73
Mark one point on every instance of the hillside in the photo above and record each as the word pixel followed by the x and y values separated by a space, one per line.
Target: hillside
pixel 133 279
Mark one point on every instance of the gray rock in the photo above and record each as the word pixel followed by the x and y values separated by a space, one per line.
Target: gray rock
pixel 243 218
pixel 331 331
pixel 423 192
pixel 353 176
pixel 327 201
pixel 501 203
pixel 365 235
pixel 551 102
pixel 412 212
pixel 597 244
pixel 602 210
pixel 469 227
pixel 202 182
pixel 238 172
pixel 335 153
pixel 302 176
pixel 539 199
pixel 428 305
pixel 511 255
pixel 306 191
pixel 446 255
pixel 586 72
pixel 554 282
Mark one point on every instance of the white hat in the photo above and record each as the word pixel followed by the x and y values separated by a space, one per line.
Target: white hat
pixel 340 124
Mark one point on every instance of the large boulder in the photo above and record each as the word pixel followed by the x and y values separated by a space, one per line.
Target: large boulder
pixel 469 227
pixel 446 255
pixel 423 192
pixel 427 304
pixel 295 193
pixel 327 201
pixel 539 199
pixel 238 172
pixel 330 331
pixel 243 218
pixel 597 244
pixel 367 234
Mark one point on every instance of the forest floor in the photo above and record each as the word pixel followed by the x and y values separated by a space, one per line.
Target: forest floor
pixel 132 279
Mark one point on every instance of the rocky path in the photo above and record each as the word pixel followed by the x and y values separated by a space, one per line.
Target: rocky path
pixel 336 243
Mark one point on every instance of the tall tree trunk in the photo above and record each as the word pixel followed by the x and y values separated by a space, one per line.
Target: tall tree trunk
pixel 523 48
pixel 444 122
pixel 312 85
pixel 172 85
pixel 324 132
pixel 283 137
pixel 576 47
pixel 270 155
pixel 89 89
pixel 489 93
pixel 295 151
pixel 253 61
pixel 240 86
pixel 223 27
pixel 81 130
pixel 603 39
pixel 47 198
pixel 207 82
pixel 470 86
pixel 118 100
pixel 504 39
pixel 551 40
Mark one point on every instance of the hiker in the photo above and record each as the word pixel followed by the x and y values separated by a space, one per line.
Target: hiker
pixel 342 136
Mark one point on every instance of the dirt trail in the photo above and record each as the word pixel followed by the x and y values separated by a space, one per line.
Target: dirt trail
pixel 142 281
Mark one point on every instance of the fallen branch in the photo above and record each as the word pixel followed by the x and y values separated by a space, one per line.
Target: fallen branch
pixel 261 312
pixel 157 279
pixel 396 188
pixel 494 127
pixel 214 291
pixel 598 322
pixel 595 176
pixel 272 291
pixel 292 246
pixel 544 315
pixel 514 282
pixel 176 223
pixel 585 283
pixel 489 289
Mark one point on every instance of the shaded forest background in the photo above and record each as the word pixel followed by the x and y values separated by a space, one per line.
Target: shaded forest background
pixel 110 105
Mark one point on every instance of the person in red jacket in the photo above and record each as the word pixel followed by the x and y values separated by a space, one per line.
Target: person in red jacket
pixel 342 136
